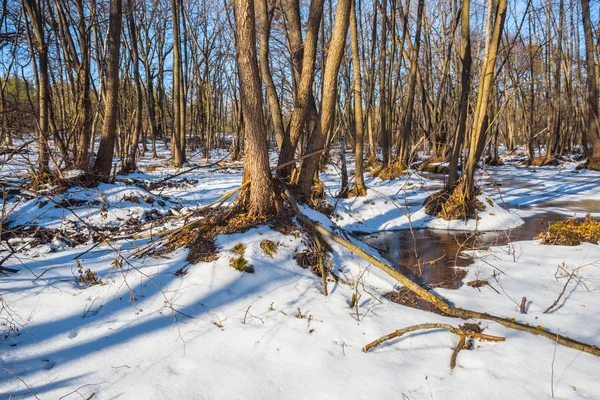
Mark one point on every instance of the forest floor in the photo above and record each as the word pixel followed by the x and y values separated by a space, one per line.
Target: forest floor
pixel 155 327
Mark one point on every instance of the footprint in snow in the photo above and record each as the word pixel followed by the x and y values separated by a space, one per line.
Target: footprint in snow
pixel 48 364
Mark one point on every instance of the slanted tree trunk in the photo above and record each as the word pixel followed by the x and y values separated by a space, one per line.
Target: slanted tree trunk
pixel 337 47
pixel 593 124
pixel 103 163
pixel 304 100
pixel 262 200
pixel 488 75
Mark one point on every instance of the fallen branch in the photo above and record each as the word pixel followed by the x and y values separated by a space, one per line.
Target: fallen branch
pixel 160 182
pixel 449 328
pixel 440 303
pixel 560 295
pixel 463 333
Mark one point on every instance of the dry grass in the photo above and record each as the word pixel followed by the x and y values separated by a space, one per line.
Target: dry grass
pixel 356 192
pixel 239 249
pixel 571 232
pixel 592 163
pixel 453 205
pixel 543 162
pixel 388 173
pixel 269 247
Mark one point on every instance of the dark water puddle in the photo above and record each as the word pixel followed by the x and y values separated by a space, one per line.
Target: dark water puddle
pixel 434 257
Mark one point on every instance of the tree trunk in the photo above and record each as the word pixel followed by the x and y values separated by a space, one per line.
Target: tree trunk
pixel 133 144
pixel 465 86
pixel 361 189
pixel 33 9
pixel 337 47
pixel 488 75
pixel 264 19
pixel 304 100
pixel 103 162
pixel 593 130
pixel 178 137
pixel 262 200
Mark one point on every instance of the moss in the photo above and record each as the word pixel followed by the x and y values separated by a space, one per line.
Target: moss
pixel 269 247
pixel 571 232
pixel 239 249
pixel 241 264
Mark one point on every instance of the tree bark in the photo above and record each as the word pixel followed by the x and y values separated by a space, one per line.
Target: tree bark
pixel 465 86
pixel 262 200
pixel 593 130
pixel 337 47
pixel 103 163
pixel 264 19
pixel 304 99
pixel 361 188
pixel 488 75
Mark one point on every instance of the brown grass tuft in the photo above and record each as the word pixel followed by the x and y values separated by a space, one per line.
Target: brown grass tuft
pixel 571 232
pixel 453 205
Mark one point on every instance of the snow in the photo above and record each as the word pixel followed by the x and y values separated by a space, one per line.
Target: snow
pixel 214 332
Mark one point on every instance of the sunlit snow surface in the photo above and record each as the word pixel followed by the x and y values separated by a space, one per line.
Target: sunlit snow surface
pixel 237 335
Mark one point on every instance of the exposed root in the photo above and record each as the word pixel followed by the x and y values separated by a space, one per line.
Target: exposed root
pixel 453 205
pixel 388 173
pixel 545 162
pixel 356 192
pixel 592 163
pixel 434 166
pixel 492 161
pixel 571 232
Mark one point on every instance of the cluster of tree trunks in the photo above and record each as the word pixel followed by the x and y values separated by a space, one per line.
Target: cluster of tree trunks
pixel 414 77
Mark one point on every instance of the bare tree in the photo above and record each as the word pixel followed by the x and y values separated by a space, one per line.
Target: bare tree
pixel 262 199
pixel 103 164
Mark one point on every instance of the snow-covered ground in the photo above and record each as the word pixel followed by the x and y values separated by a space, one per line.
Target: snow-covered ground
pixel 151 332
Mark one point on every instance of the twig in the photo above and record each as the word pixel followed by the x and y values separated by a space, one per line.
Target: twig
pixel 560 295
pixel 449 328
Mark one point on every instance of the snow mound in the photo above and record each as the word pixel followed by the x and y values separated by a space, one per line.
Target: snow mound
pixel 107 206
pixel 493 218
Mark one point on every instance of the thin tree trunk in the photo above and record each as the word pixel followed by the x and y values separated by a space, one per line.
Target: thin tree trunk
pixel 361 188
pixel 264 19
pixel 103 164
pixel 593 130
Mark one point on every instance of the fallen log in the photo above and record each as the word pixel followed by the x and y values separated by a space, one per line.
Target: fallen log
pixel 439 302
